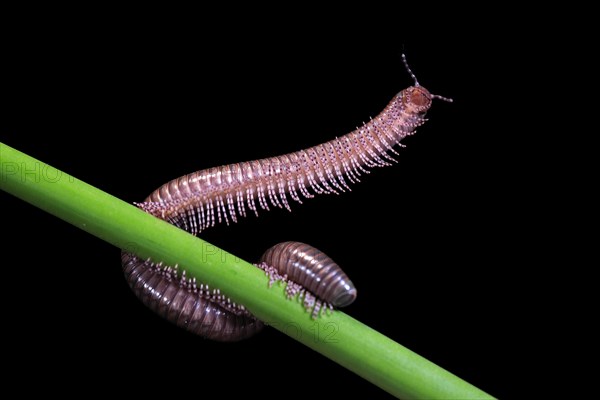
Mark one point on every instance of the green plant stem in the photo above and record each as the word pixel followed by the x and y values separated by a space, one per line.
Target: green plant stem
pixel 345 340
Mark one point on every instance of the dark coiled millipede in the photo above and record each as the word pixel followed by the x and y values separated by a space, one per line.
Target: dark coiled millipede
pixel 198 200
pixel 313 270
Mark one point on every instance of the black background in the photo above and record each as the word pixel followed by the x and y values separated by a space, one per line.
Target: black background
pixel 129 108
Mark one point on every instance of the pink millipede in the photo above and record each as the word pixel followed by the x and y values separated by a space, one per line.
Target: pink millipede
pixel 198 200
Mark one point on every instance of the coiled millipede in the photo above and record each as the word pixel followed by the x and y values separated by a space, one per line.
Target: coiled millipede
pixel 198 200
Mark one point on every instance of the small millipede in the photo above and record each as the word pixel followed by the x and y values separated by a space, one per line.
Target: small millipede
pixel 198 200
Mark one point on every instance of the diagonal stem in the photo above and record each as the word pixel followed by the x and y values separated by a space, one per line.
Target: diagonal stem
pixel 338 336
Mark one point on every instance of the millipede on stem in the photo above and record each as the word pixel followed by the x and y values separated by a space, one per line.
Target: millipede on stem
pixel 199 200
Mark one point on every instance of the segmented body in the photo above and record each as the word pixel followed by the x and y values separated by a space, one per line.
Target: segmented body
pixel 313 270
pixel 181 301
pixel 198 200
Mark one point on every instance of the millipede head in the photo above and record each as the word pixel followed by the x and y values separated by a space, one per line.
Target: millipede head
pixel 418 98
pixel 417 94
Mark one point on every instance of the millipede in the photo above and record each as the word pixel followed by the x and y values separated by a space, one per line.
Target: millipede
pixel 197 201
